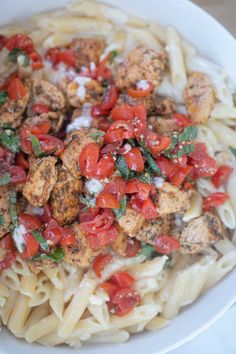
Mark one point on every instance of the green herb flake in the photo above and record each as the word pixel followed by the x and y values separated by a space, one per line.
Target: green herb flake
pixel 3 97
pixel 145 177
pixel 57 255
pixel 188 134
pixel 97 135
pixel 10 139
pixel 148 251
pixel 41 240
pixel 185 150
pixel 2 220
pixel 13 210
pixel 5 178
pixel 233 150
pixel 120 212
pixel 123 168
pixel 16 53
pixel 113 55
pixel 36 146
pixel 152 165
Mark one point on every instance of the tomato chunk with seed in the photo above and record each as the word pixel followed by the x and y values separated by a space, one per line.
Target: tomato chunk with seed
pixel 166 244
pixel 100 262
pixel 134 160
pixel 221 175
pixel 214 199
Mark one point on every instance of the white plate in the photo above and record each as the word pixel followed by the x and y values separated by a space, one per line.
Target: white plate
pixel 213 41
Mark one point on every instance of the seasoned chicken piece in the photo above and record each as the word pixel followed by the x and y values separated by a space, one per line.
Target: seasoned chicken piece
pixel 200 233
pixel 122 244
pixel 170 200
pixel 131 222
pixel 199 97
pixel 40 181
pixel 163 125
pixel 154 228
pixel 142 63
pixel 5 218
pixel 65 197
pixel 81 254
pixel 88 50
pixel 46 93
pixel 84 89
pixel 75 142
pixel 11 111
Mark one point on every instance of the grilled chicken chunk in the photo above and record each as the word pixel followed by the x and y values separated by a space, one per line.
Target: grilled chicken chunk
pixel 154 228
pixel 131 222
pixel 84 90
pixel 171 200
pixel 40 181
pixel 199 97
pixel 142 63
pixel 5 218
pixel 163 125
pixel 88 50
pixel 200 233
pixel 46 93
pixel 81 254
pixel 65 197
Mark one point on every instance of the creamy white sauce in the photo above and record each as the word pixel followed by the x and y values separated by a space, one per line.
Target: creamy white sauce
pixel 78 123
pixel 158 182
pixel 18 237
pixel 81 81
pixel 142 85
pixel 94 186
pixel 55 75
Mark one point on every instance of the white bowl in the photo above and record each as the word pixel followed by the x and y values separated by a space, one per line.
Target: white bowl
pixel 214 42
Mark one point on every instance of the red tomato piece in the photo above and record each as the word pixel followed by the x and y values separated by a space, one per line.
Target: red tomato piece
pixel 123 301
pixel 118 131
pixel 53 233
pixel 31 246
pixel 140 93
pixel 40 108
pixel 100 262
pixel 166 166
pixel 16 90
pixel 203 164
pixel 116 187
pixel 136 203
pixel 46 214
pixel 104 124
pixel 133 247
pixel 88 159
pixel 148 210
pixel 7 243
pixel 122 279
pixel 88 215
pixel 37 61
pixel 142 189
pixel 109 148
pixel 20 41
pixel 157 143
pixel 101 222
pixel 22 161
pixel 109 102
pixel 221 175
pixel 139 121
pixel 30 222
pixel 103 238
pixel 103 72
pixel 42 128
pixel 18 174
pixel 182 120
pixel 67 57
pixel 122 112
pixel 50 144
pixel 166 244
pixel 68 237
pixel 109 288
pixel 8 260
pixel 214 199
pixel 105 167
pixel 106 200
pixel 52 55
pixel 134 160
pixel 179 174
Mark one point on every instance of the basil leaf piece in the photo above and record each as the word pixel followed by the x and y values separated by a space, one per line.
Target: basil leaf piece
pixel 148 251
pixel 112 56
pixel 123 168
pixel 36 146
pixel 13 55
pixel 120 212
pixel 146 177
pixel 90 203
pixel 233 150
pixel 2 220
pixel 185 150
pixel 188 134
pixel 57 255
pixel 3 97
pixel 5 178
pixel 41 240
pixel 13 210
pixel 153 166
pixel 10 139
pixel 131 142
pixel 97 135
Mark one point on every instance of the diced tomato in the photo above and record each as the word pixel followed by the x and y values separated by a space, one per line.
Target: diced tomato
pixel 109 148
pixel 103 72
pixel 7 243
pixel 3 41
pixel 56 56
pixel 122 112
pixel 134 160
pixel 148 210
pixel 20 41
pixel 156 143
pixel 53 233
pixel 40 108
pixel 46 214
pixel 179 174
pixel 123 301
pixel 30 222
pixel 37 61
pixel 109 288
pixel 8 260
pixel 166 166
pixel 122 279
pixel 116 187
pixel 50 144
pixel 203 164
pixel 105 167
pixel 41 128
pixel 140 120
pixel 140 93
pixel 136 203
pixel 101 222
pixel 103 238
pixel 166 244
pixel 104 124
pixel 52 55
pixel 118 131
pixel 182 120
pixel 100 262
pixel 18 174
pixel 88 159
pixel 221 175
pixel 142 189
pixel 188 185
pixel 22 161
pixel 109 102
pixel 133 247
pixel 68 237
pixel 31 247
pixel 214 199
pixel 106 200
pixel 16 90
pixel 88 215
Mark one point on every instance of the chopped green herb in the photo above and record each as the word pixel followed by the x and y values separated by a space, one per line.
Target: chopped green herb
pixel 145 177
pixel 3 97
pixel 105 83
pixel 36 146
pixel 5 178
pixel 131 142
pixel 97 135
pixel 57 255
pixel 188 134
pixel 10 139
pixel 13 210
pixel 233 150
pixel 41 240
pixel 123 168
pixel 90 203
pixel 2 220
pixel 120 212
pixel 148 251
pixel 112 56
pixel 14 54
pixel 185 149
pixel 152 165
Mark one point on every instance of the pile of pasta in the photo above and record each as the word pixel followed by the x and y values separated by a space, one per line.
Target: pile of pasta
pixel 65 304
